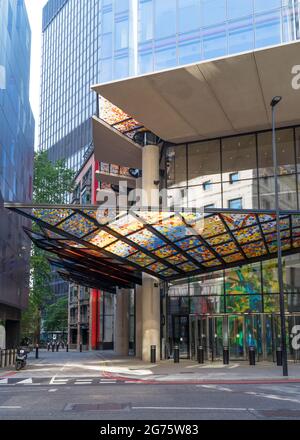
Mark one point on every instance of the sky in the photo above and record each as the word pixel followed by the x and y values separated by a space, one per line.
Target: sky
pixel 34 9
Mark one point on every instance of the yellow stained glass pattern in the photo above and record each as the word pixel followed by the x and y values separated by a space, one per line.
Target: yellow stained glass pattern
pixel 165 251
pixel 233 258
pixel 126 225
pixel 255 249
pixel 213 226
pixel 225 249
pixel 141 259
pixel 51 216
pixel 248 234
pixel 236 221
pixel 101 239
pixel 201 254
pixel 121 249
pixel 219 239
pixel 188 267
pixel 212 263
pixel 176 259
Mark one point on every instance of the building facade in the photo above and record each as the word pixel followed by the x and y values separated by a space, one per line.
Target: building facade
pixel 143 36
pixel 16 162
pixel 236 307
pixel 70 64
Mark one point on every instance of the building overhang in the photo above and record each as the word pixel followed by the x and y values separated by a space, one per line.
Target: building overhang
pixel 113 147
pixel 168 245
pixel 220 97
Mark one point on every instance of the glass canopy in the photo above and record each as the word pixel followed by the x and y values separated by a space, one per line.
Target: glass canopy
pixel 167 245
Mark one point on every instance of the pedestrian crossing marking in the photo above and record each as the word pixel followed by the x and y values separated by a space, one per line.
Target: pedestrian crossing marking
pixel 25 382
pixel 3 381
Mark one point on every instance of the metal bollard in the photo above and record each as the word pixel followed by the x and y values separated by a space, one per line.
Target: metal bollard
pixel 80 348
pixel 10 357
pixel 176 354
pixel 279 356
pixel 200 354
pixel 53 346
pixel 14 356
pixel 48 347
pixel 252 355
pixel 0 358
pixel 57 347
pixel 6 358
pixel 37 351
pixel 225 355
pixel 153 354
pixel 67 348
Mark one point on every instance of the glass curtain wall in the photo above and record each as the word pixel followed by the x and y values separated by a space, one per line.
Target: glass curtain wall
pixel 153 34
pixel 217 174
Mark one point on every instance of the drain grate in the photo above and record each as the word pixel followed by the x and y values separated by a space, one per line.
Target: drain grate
pixel 281 413
pixel 81 407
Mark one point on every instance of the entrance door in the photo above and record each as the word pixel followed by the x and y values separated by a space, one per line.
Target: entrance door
pixel 181 334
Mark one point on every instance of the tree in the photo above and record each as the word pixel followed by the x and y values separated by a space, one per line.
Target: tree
pixel 57 316
pixel 51 185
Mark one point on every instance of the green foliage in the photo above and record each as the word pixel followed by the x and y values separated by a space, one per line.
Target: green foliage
pixel 57 316
pixel 51 185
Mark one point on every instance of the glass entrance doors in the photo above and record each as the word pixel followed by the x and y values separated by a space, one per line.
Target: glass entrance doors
pixel 238 332
pixel 181 334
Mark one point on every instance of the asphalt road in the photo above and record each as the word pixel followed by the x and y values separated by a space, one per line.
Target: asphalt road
pixel 104 401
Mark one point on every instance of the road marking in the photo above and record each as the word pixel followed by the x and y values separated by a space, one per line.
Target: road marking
pixel 52 390
pixel 182 408
pixel 216 387
pixel 55 381
pixel 10 407
pixel 25 382
pixel 273 397
pixel 3 381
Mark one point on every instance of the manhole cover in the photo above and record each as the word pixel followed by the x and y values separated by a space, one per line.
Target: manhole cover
pixel 281 413
pixel 81 407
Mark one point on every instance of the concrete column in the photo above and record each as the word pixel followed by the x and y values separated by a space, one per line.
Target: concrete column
pixel 138 321
pixel 151 294
pixel 121 343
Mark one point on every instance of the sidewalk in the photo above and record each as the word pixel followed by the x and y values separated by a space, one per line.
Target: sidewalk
pixel 107 364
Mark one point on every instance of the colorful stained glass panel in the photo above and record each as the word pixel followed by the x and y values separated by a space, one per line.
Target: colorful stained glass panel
pixel 157 267
pixel 126 225
pixel 219 239
pixel 101 238
pixel 253 250
pixel 141 259
pixel 52 216
pixel 146 239
pixel 176 259
pixel 233 258
pixel 213 226
pixel 121 249
pixel 227 248
pixel 78 225
pixel 189 243
pixel 212 263
pixel 248 234
pixel 285 245
pixel 165 251
pixel 237 221
pixel 201 254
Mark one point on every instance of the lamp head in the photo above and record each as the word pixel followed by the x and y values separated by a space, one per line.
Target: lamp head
pixel 275 101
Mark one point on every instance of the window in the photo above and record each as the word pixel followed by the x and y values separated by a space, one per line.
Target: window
pixel 234 177
pixel 235 203
pixel 207 185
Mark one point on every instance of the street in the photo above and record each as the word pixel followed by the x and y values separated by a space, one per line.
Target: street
pixel 101 386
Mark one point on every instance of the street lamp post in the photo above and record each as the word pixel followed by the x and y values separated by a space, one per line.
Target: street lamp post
pixel 273 104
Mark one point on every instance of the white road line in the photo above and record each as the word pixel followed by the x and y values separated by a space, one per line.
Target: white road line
pixel 10 407
pixel 113 381
pixel 3 381
pixel 182 408
pixel 25 381
pixel 273 397
pixel 52 390
pixel 216 388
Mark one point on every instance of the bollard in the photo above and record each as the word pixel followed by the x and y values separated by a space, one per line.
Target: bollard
pixel 225 355
pixel 279 356
pixel 53 348
pixel 80 348
pixel 48 346
pixel 252 355
pixel 67 348
pixel 153 354
pixel 0 358
pixel 37 351
pixel 57 347
pixel 14 356
pixel 176 354
pixel 200 354
pixel 6 358
pixel 10 357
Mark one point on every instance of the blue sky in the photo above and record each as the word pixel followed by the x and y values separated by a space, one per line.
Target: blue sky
pixel 34 9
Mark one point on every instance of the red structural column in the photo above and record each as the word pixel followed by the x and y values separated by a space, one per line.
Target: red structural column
pixel 95 318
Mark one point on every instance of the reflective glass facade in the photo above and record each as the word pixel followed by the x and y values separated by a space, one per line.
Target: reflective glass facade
pixel 142 36
pixel 16 149
pixel 69 67
pixel 239 170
